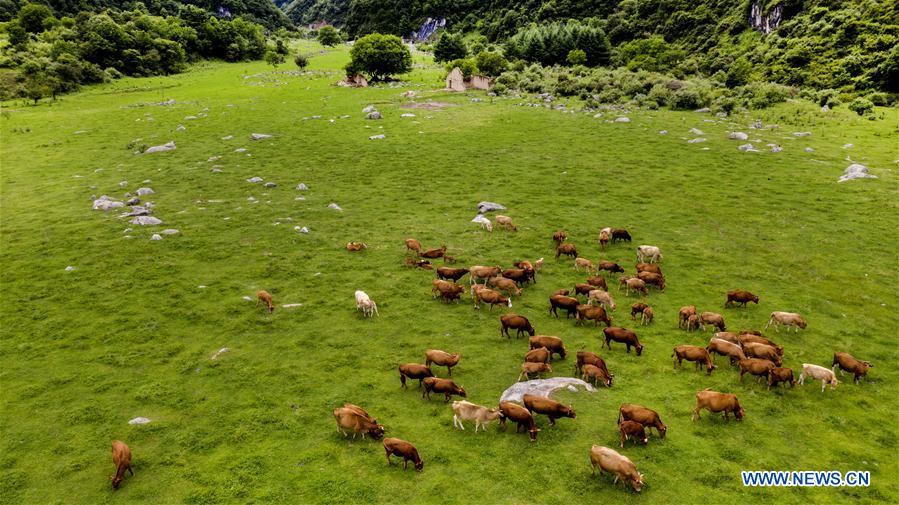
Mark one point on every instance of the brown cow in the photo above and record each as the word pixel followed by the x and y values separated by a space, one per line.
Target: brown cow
pixel 725 348
pixel 489 296
pixel 620 234
pixel 741 297
pixel 516 322
pixel 851 364
pixel 653 279
pixel 648 314
pixel 423 264
pixel 548 407
pixel 692 323
pixel 621 467
pixel 699 355
pixel 479 272
pixel 717 402
pixel 446 290
pixel 445 386
pixel 528 368
pixel 595 312
pixel 589 358
pixel 453 274
pixel 729 336
pixel 583 289
pixel 745 338
pixel 520 275
pixel 609 266
pixel 265 297
pixel 567 249
pixel 567 303
pixel 595 374
pixel 559 236
pixel 563 292
pixel 647 417
pixel 121 458
pixel 632 429
pixel 712 319
pixel 603 239
pixel 355 246
pixel 649 267
pixel 553 344
pixel 539 355
pixel 756 350
pixel 598 282
pixel 433 253
pixel 442 358
pixel 507 285
pixel 355 418
pixel 403 449
pixel 413 245
pixel 414 371
pixel 637 308
pixel 755 366
pixel 684 314
pixel 777 375
pixel 521 416
pixel 623 335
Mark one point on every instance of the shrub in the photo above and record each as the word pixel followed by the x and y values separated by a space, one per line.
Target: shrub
pixel 861 106
pixel 301 60
pixel 649 54
pixel 879 99
pixel 576 57
pixel 490 63
pixel 379 56
pixel 112 74
pixel 686 98
pixel 274 58
pixel 467 66
pixel 450 47
pixel 328 36
pixel 33 17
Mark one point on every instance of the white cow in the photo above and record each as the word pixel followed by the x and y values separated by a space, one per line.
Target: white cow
pixel 483 221
pixel 604 298
pixel 467 411
pixel 648 254
pixel 786 319
pixel 365 303
pixel 825 375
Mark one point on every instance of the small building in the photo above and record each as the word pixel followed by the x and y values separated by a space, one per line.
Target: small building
pixel 455 81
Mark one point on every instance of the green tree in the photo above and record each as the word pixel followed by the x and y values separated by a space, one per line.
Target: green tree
pixel 301 60
pixel 33 16
pixel 491 63
pixel 467 66
pixel 577 57
pixel 329 36
pixel 379 56
pixel 274 58
pixel 18 36
pixel 861 106
pixel 450 47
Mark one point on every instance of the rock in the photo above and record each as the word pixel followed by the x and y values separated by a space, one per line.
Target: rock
pixel 541 387
pixel 704 109
pixel 188 118
pixel 407 115
pixel 228 137
pixel 105 203
pixel 301 229
pixel 748 148
pixel 291 305
pixel 597 115
pixel 144 191
pixel 696 131
pixel 146 221
pixel 484 207
pixel 663 132
pixel 377 137
pixel 216 170
pixel 373 115
pixel 476 100
pixel 802 134
pixel 156 236
pixel 270 185
pixel 302 187
pixel 122 184
pixel 240 150
pixel 334 206
pixel 848 146
pixel 300 199
pixel 738 136
pixel 825 108
pixel 622 119
pixel 69 268
pixel 133 201
pixel 776 149
pixel 168 146
pixel 370 108
pixel 809 150
pixel 139 420
pixel 696 140
pixel 170 231
pixel 221 351
pixel 259 136
pixel 856 171
pixel 248 299
pixel 255 180
pixel 138 211
pixel 180 128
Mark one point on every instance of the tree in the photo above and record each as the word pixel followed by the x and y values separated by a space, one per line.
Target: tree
pixel 329 36
pixel 33 16
pixel 301 60
pixel 18 36
pixel 274 58
pixel 379 56
pixel 490 63
pixel 577 57
pixel 450 47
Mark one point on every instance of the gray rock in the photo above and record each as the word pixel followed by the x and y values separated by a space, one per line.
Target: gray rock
pixel 260 136
pixel 370 108
pixel 484 207
pixel 144 191
pixel 156 236
pixel 302 187
pixel 168 146
pixel 696 140
pixel 248 299
pixel 139 420
pixel 270 185
pixel 373 115
pixel 133 201
pixel 240 150
pixel 776 149
pixel 377 137
pixel 622 119
pixel 809 150
pixel 221 351
pixel 848 146
pixel 696 131
pixel 301 229
pixel 146 221
pixel 663 132
pixel 105 203
pixel 138 211
pixel 856 171
pixel 541 387
pixel 748 148
pixel 170 231
pixel 334 206
pixel 255 180
pixel 70 268
pixel 825 108
pixel 802 134
pixel 597 115
pixel 704 109
pixel 228 137
pixel 407 115
pixel 180 128
pixel 738 136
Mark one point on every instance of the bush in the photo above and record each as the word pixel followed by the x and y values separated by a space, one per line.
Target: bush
pixel 34 17
pixel 550 44
pixel 491 64
pixel 379 56
pixel 879 99
pixel 576 57
pixel 861 106
pixel 649 54
pixel 112 74
pixel 301 60
pixel 329 36
pixel 686 98
pixel 450 47
pixel 274 58
pixel 467 66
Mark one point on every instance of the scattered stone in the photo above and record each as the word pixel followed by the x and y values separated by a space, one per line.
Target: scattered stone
pixel 170 231
pixel 201 287
pixel 663 132
pixel 255 180
pixel 696 140
pixel 144 191
pixel 188 118
pixel 69 268
pixel 180 128
pixel 702 110
pixel 105 203
pixel 541 387
pixel 809 150
pixel 138 211
pixel 696 131
pixel 476 100
pixel 156 236
pixel 122 184
pixel 146 221
pixel 270 185
pixel 802 134
pixel 228 137
pixel 622 119
pixel 484 207
pixel 407 115
pixel 221 351
pixel 408 94
pixel 776 149
pixel 300 199
pixel 213 158
pixel 597 115
pixel 259 136
pixel 334 206
pixel 133 201
pixel 367 109
pixel 291 305
pixel 79 132
pixel 168 146
pixel 825 108
pixel 301 230
pixel 377 137
pixel 738 136
pixel 856 171
pixel 216 170
pixel 848 146
pixel 139 420
pixel 373 115
pixel 240 150
pixel 247 298
pixel 302 187
pixel 748 148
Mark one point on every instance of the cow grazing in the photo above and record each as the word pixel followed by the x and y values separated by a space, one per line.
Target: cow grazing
pixel 712 319
pixel 637 308
pixel 403 449
pixel 538 265
pixel 567 303
pixel 725 348
pixel 596 375
pixel 553 344
pixel 599 282
pixel 609 460
pixel 755 366
pixel 604 237
pixel 648 254
pixel 825 375
pixel 266 298
pixel 589 358
pixel 649 267
pixel 567 249
pixel 623 335
pixel 762 351
pixel 355 246
pixel 479 272
pixel 527 369
pixel 632 430
pixel 366 304
pixel 446 290
pixel 787 319
pixel 434 253
pixel 559 236
pixel 445 386
pixel 561 292
pixel 851 364
pixel 507 285
pixel 520 416
pixel 698 355
pixel 453 274
pixel 741 297
pixel 648 314
pixel 506 222
pixel 548 407
pixel 620 234
pixel 416 263
pixel 442 358
pixel 413 245
pixel 515 322
pixel 520 275
pixel 586 264
pixel 524 265
pixel 778 375
pixel 539 355
pixel 717 402
pixel 747 338
pixel 467 411
pixel 633 284
pixel 652 279
pixel 609 266
pixel 354 418
pixel 121 458
pixel 489 296
pixel 684 314
pixel 729 336
pixel 414 371
pixel 583 289
pixel 692 323
pixel 595 312
pixel 647 417
pixel 484 222
pixel 603 297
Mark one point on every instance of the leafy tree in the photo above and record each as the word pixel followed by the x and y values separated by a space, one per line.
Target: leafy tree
pixel 301 61
pixel 18 36
pixel 550 44
pixel 450 47
pixel 467 66
pixel 379 56
pixel 654 54
pixel 861 106
pixel 33 16
pixel 491 63
pixel 329 36
pixel 576 57
pixel 274 58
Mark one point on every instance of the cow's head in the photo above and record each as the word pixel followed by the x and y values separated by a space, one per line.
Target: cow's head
pixel 739 413
pixel 533 433
pixel 637 482
pixel 639 348
pixel 116 480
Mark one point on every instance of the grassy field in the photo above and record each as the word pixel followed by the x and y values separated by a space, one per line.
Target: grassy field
pixel 130 331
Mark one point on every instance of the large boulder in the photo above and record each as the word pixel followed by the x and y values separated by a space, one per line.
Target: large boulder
pixel 484 207
pixel 855 171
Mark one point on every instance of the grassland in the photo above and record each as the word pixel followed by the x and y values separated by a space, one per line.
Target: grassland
pixel 130 333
